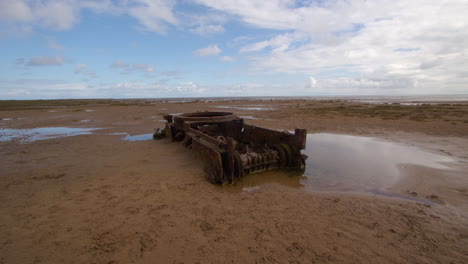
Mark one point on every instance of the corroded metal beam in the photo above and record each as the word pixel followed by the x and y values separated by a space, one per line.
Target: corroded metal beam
pixel 231 148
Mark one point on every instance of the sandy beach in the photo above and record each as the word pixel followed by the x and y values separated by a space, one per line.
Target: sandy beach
pixel 96 198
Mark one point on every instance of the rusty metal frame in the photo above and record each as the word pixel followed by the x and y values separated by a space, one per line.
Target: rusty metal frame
pixel 231 148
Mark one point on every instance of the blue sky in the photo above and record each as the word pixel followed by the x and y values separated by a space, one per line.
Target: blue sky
pixel 156 48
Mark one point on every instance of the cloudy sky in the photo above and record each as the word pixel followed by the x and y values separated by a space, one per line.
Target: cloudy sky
pixel 182 48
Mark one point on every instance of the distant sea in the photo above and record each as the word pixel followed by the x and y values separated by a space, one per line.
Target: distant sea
pixel 375 99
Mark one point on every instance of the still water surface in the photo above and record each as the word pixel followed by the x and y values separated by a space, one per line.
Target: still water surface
pixel 350 163
pixel 138 137
pixel 42 133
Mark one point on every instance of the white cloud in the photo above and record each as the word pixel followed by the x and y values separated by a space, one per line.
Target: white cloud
pixel 278 43
pixel 211 50
pixel 419 45
pixel 226 59
pixel 257 46
pixel 204 23
pixel 57 15
pixel 128 68
pixel 207 29
pixel 85 71
pixel 153 15
pixel 59 89
pixel 44 89
pixel 362 86
pixel 11 10
pixel 151 90
pixel 312 82
pixel 246 88
pixel 308 16
pixel 186 88
pixel 360 43
pixel 53 44
pixel 46 61
pixel 102 6
pixel 273 14
pixel 119 64
pixel 142 67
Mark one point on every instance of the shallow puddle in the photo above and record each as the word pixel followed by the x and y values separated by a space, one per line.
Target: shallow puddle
pixel 247 107
pixel 129 137
pixel 138 137
pixel 342 162
pixel 253 118
pixel 118 134
pixel 350 163
pixel 248 117
pixel 42 133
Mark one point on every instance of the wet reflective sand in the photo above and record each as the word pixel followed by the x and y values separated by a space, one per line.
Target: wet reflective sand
pixel 42 133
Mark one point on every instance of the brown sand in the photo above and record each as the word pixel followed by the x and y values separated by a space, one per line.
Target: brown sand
pixel 98 199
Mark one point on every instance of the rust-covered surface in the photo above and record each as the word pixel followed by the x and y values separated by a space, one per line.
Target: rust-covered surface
pixel 231 148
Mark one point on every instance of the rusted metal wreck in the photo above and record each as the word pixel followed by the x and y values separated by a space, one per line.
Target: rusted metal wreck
pixel 231 148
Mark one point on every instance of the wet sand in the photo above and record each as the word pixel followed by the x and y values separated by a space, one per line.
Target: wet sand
pixel 96 198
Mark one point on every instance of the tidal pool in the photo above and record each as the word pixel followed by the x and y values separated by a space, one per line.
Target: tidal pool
pixel 248 117
pixel 138 137
pixel 42 133
pixel 350 163
pixel 247 107
pixel 128 137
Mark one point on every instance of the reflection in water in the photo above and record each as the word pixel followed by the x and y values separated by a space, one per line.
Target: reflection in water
pixel 248 117
pixel 247 107
pixel 42 133
pixel 138 137
pixel 351 163
pixel 348 163
pixel 118 134
pixel 289 178
pixel 388 194
pixel 128 137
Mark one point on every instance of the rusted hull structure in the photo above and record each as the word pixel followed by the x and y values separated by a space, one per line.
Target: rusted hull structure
pixel 231 148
